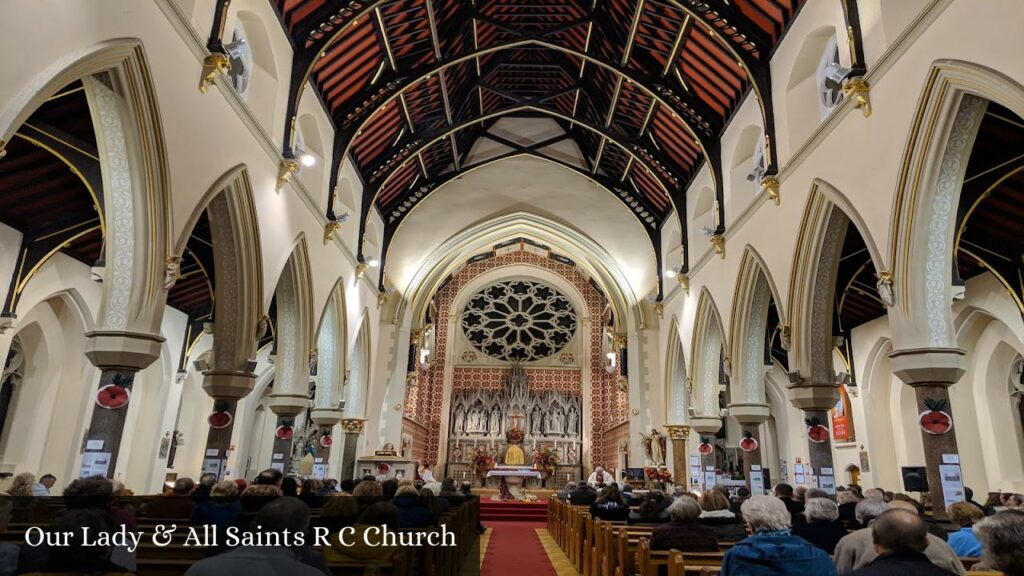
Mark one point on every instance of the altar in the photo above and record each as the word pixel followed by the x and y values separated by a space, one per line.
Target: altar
pixel 512 481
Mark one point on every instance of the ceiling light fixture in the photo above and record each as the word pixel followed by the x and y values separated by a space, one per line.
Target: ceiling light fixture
pixel 307 159
pixel 372 262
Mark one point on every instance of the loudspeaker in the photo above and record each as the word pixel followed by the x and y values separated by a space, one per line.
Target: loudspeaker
pixel 915 478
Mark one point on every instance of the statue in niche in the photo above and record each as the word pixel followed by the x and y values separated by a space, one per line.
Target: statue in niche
pixel 495 421
pixel 573 421
pixel 536 422
pixel 556 423
pixel 474 420
pixel 570 454
pixel 459 420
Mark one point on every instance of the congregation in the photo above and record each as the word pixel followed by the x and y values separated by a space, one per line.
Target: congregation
pixel 803 531
pixel 237 525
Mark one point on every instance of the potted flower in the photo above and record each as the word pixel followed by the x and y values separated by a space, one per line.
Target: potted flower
pixel 482 462
pixel 545 460
pixel 658 476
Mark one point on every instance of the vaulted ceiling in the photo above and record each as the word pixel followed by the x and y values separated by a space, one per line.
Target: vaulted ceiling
pixel 642 88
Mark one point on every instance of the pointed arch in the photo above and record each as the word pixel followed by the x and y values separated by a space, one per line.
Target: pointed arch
pixel 358 379
pixel 931 176
pixel 238 274
pixel 826 218
pixel 677 397
pixel 136 191
pixel 331 360
pixel 294 295
pixel 755 291
pixel 709 342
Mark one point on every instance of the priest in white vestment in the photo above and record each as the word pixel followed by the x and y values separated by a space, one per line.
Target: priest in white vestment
pixel 599 476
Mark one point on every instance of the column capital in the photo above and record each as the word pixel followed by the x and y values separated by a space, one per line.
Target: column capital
pixel 705 424
pixel 228 384
pixel 325 416
pixel 353 425
pixel 678 431
pixel 928 366
pixel 749 414
pixel 810 397
pixel 122 350
pixel 288 404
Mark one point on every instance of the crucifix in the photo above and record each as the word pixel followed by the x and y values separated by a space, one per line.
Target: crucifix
pixel 515 420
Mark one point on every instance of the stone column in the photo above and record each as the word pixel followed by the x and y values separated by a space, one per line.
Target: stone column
pixel 287 407
pixel 218 440
pixel 326 419
pixel 119 356
pixel 750 417
pixel 352 427
pixel 816 400
pixel 679 435
pixel 931 371
pixel 226 388
pixel 706 426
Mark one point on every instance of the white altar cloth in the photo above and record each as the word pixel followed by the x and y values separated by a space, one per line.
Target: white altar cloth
pixel 520 472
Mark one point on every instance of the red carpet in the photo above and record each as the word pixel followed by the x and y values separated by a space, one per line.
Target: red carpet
pixel 513 511
pixel 515 549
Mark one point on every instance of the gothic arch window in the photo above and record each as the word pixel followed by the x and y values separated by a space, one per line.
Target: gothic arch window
pixel 14 370
pixel 519 320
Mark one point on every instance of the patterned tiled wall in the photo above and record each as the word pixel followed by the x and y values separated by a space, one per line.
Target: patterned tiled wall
pixel 608 405
pixel 541 379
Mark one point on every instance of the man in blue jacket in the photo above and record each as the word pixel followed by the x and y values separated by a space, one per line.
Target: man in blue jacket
pixel 771 550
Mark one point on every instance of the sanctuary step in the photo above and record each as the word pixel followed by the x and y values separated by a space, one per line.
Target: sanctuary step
pixel 513 511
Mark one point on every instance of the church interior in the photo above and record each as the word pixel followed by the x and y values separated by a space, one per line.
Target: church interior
pixel 756 248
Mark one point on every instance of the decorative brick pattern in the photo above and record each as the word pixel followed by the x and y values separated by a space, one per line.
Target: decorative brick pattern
pixel 541 379
pixel 608 405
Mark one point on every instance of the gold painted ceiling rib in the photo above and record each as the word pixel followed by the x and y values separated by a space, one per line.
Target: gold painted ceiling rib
pixel 673 54
pixel 631 39
pixel 444 96
pixel 384 38
pixel 433 29
pixel 611 107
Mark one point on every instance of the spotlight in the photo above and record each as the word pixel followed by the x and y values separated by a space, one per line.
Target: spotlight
pixel 307 159
pixel 343 218
pixel 372 262
pixel 675 271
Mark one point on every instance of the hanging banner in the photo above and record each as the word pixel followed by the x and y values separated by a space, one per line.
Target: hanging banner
pixel 842 418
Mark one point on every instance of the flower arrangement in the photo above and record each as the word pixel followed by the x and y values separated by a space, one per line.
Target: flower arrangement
pixel 514 435
pixel 658 474
pixel 482 462
pixel 545 460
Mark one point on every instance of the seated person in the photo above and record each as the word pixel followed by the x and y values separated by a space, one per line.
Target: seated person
pixel 563 494
pixel 822 526
pixel 77 557
pixel 857 548
pixel 412 513
pixel 717 514
pixel 900 538
pixel 1002 542
pixel 450 493
pixel 609 505
pixel 338 511
pixel 683 532
pixel 771 549
pixel 437 506
pixel 627 494
pixel 356 548
pixel 276 517
pixel 583 495
pixel 650 510
pixel 221 510
pixel 253 499
pixel 177 505
pixel 964 541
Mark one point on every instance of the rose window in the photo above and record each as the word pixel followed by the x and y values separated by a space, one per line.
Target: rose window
pixel 519 320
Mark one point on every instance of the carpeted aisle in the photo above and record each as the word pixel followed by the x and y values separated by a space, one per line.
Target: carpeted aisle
pixel 513 548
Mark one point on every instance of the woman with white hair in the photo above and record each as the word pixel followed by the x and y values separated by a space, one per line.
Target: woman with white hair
pixel 683 532
pixel 1002 542
pixel 771 549
pixel 822 527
